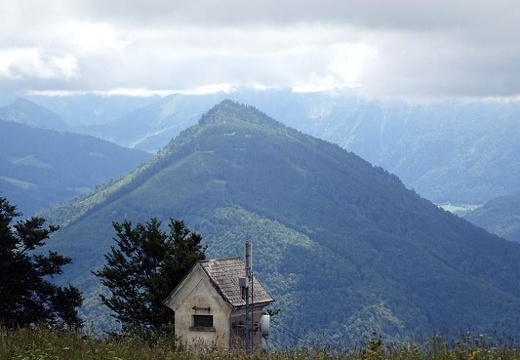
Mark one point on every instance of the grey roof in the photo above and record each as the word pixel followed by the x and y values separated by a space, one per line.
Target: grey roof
pixel 224 274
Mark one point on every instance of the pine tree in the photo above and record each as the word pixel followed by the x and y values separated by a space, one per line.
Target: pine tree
pixel 27 297
pixel 142 270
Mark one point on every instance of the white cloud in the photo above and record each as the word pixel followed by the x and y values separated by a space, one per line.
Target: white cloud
pixel 95 37
pixel 385 48
pixel 345 69
pixel 27 63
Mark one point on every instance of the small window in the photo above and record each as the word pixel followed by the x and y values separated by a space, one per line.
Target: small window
pixel 202 322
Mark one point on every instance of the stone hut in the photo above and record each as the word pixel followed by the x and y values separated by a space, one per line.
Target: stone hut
pixel 210 309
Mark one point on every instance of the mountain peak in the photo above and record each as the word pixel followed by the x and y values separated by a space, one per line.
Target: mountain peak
pixel 27 112
pixel 229 111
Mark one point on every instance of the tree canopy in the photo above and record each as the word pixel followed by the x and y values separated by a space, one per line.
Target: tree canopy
pixel 142 270
pixel 27 297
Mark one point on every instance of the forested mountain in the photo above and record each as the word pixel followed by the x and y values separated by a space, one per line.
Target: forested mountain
pixel 499 216
pixel 39 167
pixel 458 152
pixel 342 245
pixel 466 153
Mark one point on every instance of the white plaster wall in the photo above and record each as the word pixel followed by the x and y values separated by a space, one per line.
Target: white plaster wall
pixel 198 292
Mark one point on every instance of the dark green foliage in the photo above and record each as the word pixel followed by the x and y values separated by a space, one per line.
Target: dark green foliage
pixel 144 268
pixel 27 297
pixel 374 349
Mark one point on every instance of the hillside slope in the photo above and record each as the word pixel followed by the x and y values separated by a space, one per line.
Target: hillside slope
pixel 499 216
pixel 343 246
pixel 151 127
pixel 39 167
pixel 452 151
pixel 457 152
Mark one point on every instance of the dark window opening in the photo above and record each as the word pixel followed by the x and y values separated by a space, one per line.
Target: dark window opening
pixel 202 321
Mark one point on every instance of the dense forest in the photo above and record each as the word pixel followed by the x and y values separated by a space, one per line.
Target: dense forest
pixel 341 245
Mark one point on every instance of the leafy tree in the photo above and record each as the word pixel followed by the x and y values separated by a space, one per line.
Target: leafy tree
pixel 27 297
pixel 144 268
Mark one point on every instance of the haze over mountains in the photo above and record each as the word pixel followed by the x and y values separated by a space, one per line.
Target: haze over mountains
pixel 458 152
pixel 500 216
pixel 342 245
pixel 40 167
pixel 29 113
pixel 310 207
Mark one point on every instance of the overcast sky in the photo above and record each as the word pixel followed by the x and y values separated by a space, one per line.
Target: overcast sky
pixel 403 48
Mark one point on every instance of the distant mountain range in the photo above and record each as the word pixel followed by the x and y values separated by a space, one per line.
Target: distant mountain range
pixel 27 112
pixel 40 167
pixel 342 245
pixel 89 109
pixel 458 152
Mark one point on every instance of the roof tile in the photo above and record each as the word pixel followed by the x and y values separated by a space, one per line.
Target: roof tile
pixel 224 274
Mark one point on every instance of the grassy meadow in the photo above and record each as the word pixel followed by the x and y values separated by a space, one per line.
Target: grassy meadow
pixel 41 344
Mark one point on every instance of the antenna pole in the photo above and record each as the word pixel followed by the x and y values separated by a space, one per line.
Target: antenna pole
pixel 249 261
pixel 249 310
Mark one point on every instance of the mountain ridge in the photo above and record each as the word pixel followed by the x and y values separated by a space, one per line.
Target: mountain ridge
pixel 336 239
pixel 27 112
pixel 40 167
pixel 462 152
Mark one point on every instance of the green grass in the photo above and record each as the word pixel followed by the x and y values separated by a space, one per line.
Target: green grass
pixel 458 208
pixel 41 344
